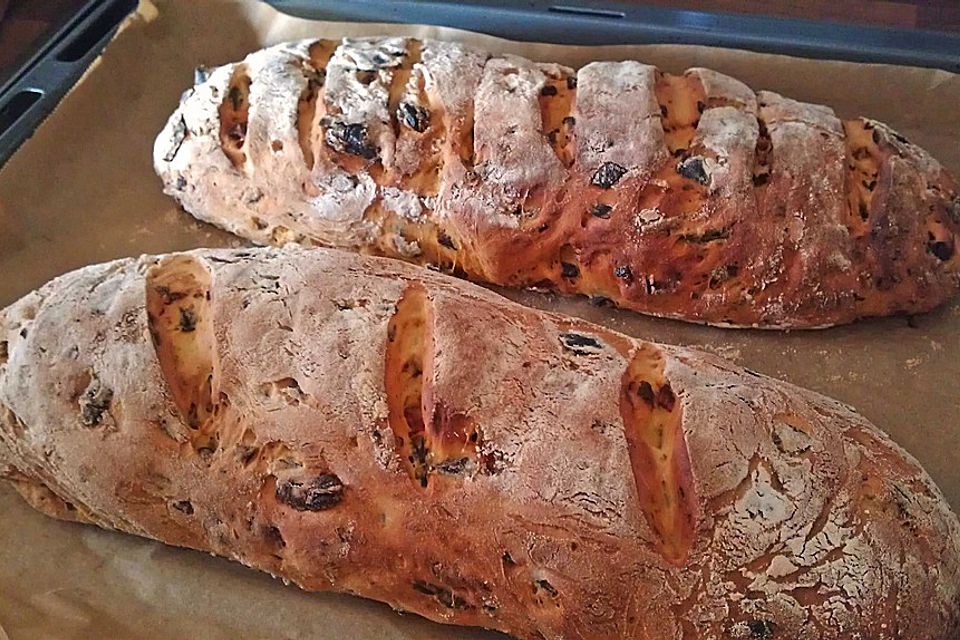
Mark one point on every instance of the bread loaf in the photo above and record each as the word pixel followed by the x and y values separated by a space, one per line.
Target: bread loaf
pixel 688 196
pixel 357 424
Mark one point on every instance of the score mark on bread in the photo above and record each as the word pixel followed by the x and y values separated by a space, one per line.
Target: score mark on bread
pixel 235 115
pixel 431 438
pixel 651 417
pixel 180 319
pixel 315 70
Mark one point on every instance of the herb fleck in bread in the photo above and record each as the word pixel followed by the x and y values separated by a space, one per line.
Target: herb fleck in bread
pixel 687 196
pixel 357 424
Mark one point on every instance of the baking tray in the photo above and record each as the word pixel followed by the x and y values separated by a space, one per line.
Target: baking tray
pixel 605 22
pixel 82 190
pixel 32 89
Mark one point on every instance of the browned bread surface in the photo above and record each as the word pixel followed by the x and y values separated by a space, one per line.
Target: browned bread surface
pixel 689 196
pixel 357 424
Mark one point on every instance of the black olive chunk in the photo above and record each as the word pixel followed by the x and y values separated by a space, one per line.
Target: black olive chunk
pixel 188 320
pixel 623 272
pixel 349 138
pixel 666 398
pixel 568 270
pixel 761 630
pixel 95 402
pixel 601 210
pixel 443 595
pixel 942 250
pixel 446 241
pixel 607 175
pixel 709 235
pixel 692 168
pixel 413 116
pixel 201 74
pixel 580 344
pixel 457 466
pixel 179 135
pixel 184 506
pixel 545 585
pixel 321 493
pixel 645 391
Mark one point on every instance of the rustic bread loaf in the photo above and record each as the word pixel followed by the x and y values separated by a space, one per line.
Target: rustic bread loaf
pixel 687 196
pixel 357 424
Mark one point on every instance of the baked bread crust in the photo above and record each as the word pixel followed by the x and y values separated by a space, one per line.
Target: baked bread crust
pixel 688 196
pixel 358 424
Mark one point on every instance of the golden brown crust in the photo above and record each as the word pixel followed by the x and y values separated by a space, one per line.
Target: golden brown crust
pixel 362 425
pixel 687 196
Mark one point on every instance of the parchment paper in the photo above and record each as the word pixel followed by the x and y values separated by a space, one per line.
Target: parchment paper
pixel 82 191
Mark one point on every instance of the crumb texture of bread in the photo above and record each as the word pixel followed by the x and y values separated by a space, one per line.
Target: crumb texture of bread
pixel 687 195
pixel 361 425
